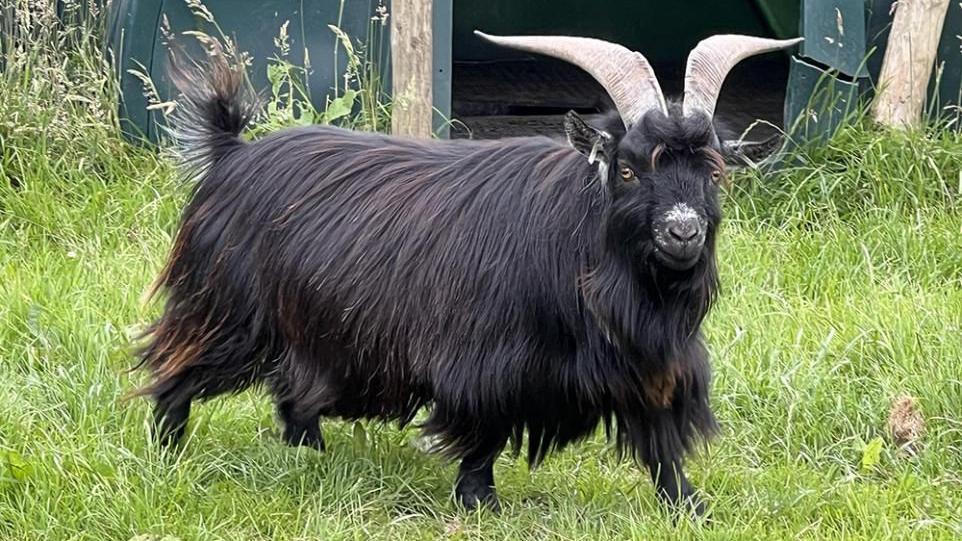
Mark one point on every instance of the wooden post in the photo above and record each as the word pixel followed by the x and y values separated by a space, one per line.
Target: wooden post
pixel 411 68
pixel 907 66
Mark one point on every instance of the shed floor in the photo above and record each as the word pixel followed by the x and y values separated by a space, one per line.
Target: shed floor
pixel 525 97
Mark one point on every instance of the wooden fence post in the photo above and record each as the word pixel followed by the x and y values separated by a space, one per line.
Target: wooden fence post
pixel 411 68
pixel 909 57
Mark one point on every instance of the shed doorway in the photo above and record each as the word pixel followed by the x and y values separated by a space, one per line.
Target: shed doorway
pixel 501 93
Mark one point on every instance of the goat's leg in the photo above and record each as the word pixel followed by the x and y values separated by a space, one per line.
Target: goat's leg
pixel 302 425
pixel 301 393
pixel 475 485
pixel 191 361
pixel 673 487
pixel 173 396
pixel 172 408
pixel 660 444
pixel 670 429
pixel 170 421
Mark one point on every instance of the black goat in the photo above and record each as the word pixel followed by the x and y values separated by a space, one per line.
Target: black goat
pixel 513 286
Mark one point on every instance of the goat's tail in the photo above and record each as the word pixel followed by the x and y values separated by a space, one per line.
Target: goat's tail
pixel 215 105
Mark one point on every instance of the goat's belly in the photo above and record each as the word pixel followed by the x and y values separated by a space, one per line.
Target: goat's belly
pixel 368 387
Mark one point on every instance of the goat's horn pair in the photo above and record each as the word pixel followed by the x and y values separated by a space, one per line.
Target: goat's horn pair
pixel 628 77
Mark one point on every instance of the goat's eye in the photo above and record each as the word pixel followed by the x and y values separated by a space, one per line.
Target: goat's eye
pixel 716 176
pixel 627 173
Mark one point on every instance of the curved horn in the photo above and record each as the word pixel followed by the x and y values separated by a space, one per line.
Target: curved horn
pixel 712 59
pixel 624 74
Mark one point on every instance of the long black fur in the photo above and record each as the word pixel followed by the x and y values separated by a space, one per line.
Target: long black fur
pixel 505 284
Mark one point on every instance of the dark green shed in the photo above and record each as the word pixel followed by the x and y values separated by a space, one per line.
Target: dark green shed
pixel 494 92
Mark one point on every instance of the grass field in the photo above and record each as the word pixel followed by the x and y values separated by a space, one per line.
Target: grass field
pixel 842 290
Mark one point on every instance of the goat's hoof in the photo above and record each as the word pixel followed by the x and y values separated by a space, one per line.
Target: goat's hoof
pixel 473 495
pixel 168 437
pixel 697 508
pixel 304 439
pixel 690 506
pixel 694 507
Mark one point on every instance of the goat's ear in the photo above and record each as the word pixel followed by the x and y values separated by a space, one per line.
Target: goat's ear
pixel 596 145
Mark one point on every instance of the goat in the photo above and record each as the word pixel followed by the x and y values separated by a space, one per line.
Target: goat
pixel 521 286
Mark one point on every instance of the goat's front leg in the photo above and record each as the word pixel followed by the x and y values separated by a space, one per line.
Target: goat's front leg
pixel 677 413
pixel 475 485
pixel 674 488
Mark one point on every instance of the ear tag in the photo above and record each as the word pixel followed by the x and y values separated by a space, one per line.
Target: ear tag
pixel 594 152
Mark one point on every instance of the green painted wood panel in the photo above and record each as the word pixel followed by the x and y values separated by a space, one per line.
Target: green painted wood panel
pixel 443 13
pixel 253 24
pixel 816 102
pixel 834 32
pixel 949 61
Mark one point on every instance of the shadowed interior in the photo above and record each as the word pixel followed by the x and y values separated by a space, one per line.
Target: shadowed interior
pixel 501 93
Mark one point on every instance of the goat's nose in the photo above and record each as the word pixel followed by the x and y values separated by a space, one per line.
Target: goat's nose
pixel 683 230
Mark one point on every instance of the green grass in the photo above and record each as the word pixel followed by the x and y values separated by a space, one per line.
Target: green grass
pixel 829 312
pixel 842 290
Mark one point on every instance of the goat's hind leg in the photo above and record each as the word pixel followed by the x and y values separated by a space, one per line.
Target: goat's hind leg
pixel 301 426
pixel 215 370
pixel 301 394
pixel 172 398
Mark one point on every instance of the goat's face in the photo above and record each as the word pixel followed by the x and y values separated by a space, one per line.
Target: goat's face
pixel 662 176
pixel 668 160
